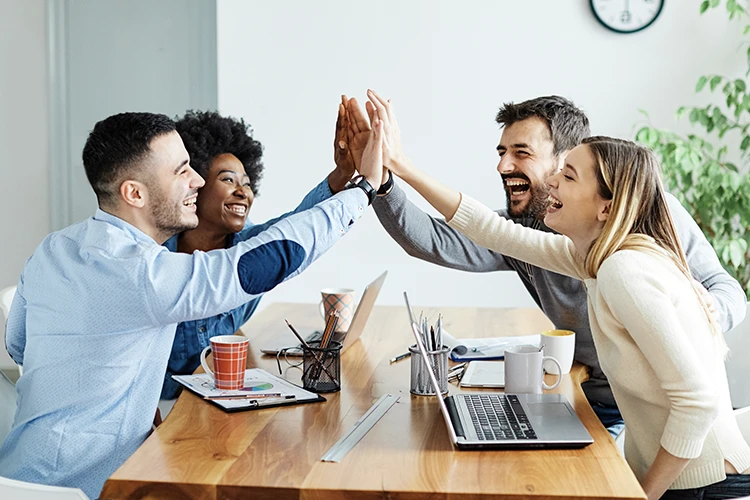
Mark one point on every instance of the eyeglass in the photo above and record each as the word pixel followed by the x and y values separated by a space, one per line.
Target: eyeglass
pixel 293 364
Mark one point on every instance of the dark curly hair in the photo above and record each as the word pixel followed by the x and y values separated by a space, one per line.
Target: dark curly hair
pixel 207 134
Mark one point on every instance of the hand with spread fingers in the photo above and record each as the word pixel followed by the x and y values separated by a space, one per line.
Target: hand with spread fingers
pixel 394 158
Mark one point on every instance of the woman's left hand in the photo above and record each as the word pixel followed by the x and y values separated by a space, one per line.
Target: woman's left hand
pixel 394 158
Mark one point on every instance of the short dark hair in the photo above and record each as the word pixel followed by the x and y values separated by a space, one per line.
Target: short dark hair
pixel 117 145
pixel 207 134
pixel 568 125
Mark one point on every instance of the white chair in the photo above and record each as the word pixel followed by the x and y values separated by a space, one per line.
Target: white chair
pixel 6 299
pixel 20 490
pixel 738 362
pixel 743 422
pixel 7 406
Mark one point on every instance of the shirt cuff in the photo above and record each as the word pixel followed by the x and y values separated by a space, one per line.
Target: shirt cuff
pixel 464 214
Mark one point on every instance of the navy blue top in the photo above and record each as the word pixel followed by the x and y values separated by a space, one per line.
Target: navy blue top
pixel 193 336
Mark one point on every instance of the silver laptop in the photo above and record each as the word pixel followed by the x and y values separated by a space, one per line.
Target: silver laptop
pixel 286 340
pixel 493 420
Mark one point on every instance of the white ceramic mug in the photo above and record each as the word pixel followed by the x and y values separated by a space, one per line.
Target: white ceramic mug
pixel 523 370
pixel 561 345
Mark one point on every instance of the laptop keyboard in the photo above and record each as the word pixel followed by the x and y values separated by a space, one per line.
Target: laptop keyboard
pixel 498 416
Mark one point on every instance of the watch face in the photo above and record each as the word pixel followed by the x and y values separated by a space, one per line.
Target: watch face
pixel 626 16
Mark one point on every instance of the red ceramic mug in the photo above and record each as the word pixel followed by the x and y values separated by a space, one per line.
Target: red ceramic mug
pixel 230 358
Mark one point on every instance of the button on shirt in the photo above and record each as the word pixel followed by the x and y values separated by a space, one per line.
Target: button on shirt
pixel 192 337
pixel 93 321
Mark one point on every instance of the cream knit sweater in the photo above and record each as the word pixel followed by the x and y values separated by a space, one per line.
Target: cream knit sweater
pixel 654 342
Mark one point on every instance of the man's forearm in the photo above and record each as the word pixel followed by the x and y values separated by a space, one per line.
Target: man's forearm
pixel 431 239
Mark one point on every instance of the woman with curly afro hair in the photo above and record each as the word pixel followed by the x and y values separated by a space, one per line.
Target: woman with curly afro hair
pixel 222 150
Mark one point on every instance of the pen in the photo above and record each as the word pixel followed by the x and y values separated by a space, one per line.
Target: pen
pixel 271 395
pixel 400 357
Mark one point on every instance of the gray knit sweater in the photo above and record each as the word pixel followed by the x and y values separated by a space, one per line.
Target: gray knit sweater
pixel 561 298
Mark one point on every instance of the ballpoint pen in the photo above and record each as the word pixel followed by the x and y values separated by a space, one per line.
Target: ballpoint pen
pixel 400 357
pixel 229 397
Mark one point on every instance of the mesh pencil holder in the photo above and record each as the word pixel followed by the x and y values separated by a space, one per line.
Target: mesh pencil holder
pixel 321 368
pixel 420 378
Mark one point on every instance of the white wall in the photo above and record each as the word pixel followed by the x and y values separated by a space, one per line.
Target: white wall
pixel 448 66
pixel 24 164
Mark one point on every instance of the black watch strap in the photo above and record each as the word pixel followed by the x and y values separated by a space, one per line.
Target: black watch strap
pixel 386 187
pixel 360 182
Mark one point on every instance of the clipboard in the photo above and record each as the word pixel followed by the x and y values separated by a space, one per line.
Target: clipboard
pixel 257 381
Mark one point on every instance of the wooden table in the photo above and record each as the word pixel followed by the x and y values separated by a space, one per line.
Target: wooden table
pixel 200 452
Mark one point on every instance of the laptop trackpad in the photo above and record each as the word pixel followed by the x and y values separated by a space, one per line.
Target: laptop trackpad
pixel 549 409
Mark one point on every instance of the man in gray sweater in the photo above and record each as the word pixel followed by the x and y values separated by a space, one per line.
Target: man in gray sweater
pixel 537 134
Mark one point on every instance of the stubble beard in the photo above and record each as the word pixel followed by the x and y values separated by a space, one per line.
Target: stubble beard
pixel 167 215
pixel 536 207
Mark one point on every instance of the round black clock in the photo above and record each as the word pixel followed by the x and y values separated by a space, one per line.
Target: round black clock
pixel 626 16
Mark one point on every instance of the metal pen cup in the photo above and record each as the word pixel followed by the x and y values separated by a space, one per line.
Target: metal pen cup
pixel 421 385
pixel 321 368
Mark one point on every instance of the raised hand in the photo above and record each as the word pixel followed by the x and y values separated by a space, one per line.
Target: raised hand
pixel 394 158
pixel 342 153
pixel 358 131
pixel 372 157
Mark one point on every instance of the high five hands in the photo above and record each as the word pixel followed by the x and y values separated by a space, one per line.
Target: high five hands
pixel 353 133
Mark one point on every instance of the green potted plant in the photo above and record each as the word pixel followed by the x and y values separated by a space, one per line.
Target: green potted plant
pixel 708 172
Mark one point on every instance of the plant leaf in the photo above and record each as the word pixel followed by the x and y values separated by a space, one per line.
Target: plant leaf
pixel 701 83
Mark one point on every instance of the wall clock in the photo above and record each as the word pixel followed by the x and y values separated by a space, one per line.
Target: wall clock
pixel 626 16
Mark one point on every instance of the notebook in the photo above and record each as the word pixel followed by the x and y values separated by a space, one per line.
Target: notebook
pixel 494 420
pixel 484 374
pixel 285 339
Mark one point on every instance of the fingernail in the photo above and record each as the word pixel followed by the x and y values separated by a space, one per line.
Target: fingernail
pixel 342 145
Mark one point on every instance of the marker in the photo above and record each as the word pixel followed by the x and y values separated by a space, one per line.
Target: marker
pixel 400 357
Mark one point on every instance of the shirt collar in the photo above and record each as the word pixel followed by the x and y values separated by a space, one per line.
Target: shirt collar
pixel 137 234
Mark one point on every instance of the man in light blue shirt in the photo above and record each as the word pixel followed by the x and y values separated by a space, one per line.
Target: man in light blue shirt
pixel 94 315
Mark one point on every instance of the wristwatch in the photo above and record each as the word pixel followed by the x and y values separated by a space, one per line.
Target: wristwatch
pixel 387 186
pixel 360 182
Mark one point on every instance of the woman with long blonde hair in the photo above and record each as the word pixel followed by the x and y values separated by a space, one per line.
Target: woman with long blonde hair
pixel 657 341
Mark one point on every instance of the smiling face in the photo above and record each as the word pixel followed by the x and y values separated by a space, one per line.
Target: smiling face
pixel 172 187
pixel 526 160
pixel 577 208
pixel 223 203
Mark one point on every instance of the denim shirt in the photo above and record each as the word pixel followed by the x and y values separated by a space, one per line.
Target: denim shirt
pixel 93 322
pixel 192 337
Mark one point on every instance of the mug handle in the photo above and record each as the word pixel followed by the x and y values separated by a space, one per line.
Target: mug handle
pixel 321 310
pixel 204 364
pixel 559 373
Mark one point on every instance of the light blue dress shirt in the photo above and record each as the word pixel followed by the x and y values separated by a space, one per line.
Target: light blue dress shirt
pixel 93 321
pixel 192 337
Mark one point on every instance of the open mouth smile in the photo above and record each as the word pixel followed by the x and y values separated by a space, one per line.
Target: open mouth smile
pixel 517 186
pixel 237 208
pixel 190 202
pixel 554 204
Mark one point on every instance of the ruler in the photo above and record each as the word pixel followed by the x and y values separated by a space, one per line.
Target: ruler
pixel 361 427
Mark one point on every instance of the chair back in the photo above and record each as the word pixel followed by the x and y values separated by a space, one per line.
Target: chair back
pixel 7 407
pixel 743 422
pixel 6 299
pixel 21 490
